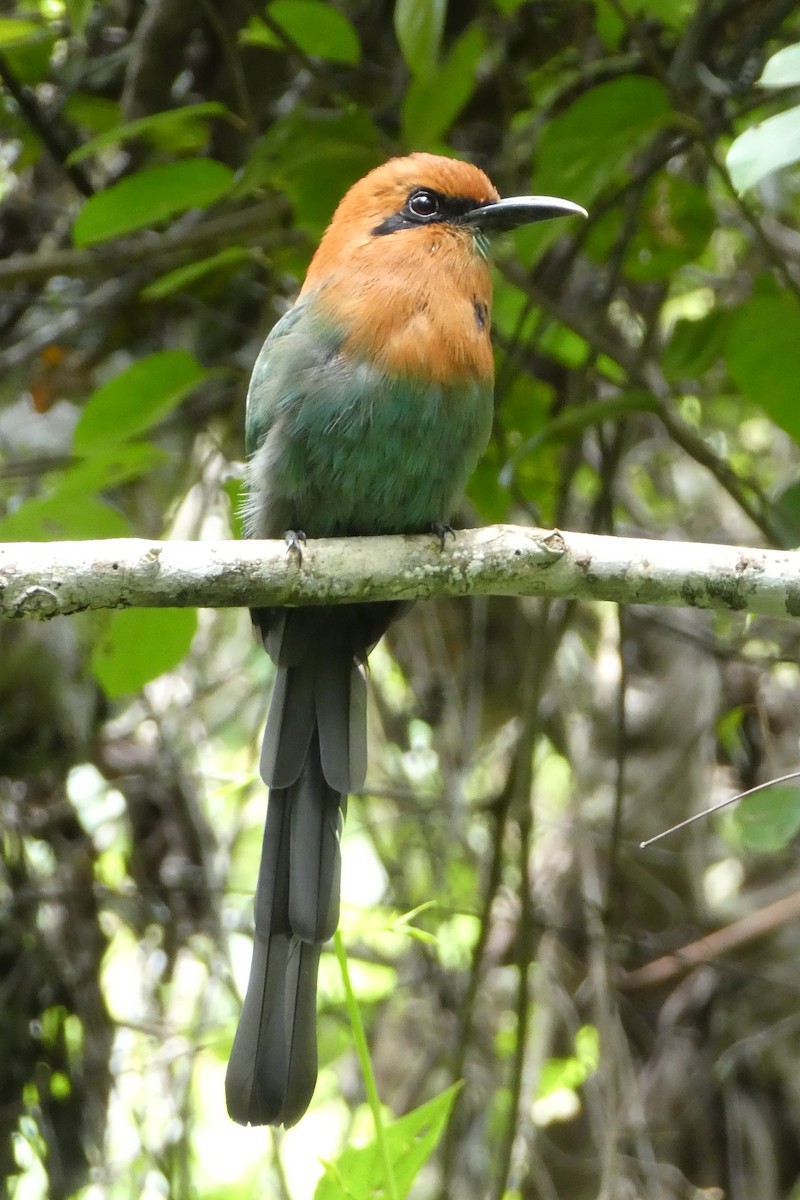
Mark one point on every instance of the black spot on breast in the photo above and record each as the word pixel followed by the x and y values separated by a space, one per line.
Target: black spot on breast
pixel 481 314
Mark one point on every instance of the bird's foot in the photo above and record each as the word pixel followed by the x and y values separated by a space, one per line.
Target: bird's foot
pixel 295 540
pixel 440 530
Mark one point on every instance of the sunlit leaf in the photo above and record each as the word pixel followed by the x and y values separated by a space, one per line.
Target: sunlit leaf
pixel 138 644
pixel 411 1141
pixel 151 195
pixel 587 1047
pixel 572 1072
pixel 773 144
pixel 136 399
pixel 78 13
pixel 783 69
pixel 13 32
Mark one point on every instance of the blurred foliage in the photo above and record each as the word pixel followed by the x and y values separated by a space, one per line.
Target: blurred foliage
pixel 166 169
pixel 773 143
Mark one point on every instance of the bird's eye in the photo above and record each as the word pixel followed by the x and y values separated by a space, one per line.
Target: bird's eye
pixel 423 203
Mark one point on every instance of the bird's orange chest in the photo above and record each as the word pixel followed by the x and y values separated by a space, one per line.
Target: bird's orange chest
pixel 421 311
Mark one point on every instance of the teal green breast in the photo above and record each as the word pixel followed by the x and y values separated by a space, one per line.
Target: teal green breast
pixel 338 447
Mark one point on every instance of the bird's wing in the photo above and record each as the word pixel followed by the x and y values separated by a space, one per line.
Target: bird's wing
pixel 267 381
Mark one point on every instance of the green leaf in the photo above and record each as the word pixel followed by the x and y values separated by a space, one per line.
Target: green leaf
pixel 762 352
pixel 313 160
pixel 418 26
pixel 173 281
pixel 783 69
pixel 676 224
pixel 170 127
pixel 58 517
pixel 319 30
pixel 587 1048
pixel 150 196
pixel 235 490
pixel 770 819
pixel 138 644
pixel 78 13
pixel 433 101
pixel 95 113
pixel 611 24
pixel 773 144
pixel 136 399
pixel 558 1073
pixel 107 470
pixel 695 346
pixel 586 148
pixel 787 516
pixel 71 509
pixel 575 419
pixel 31 61
pixel 14 32
pixel 671 13
pixel 358 1171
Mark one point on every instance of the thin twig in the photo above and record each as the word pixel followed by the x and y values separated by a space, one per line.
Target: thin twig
pixel 709 948
pixel 45 129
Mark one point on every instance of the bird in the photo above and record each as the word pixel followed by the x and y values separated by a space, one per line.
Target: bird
pixel 369 406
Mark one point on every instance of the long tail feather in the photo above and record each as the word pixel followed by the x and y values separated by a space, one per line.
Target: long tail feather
pixel 314 857
pixel 314 753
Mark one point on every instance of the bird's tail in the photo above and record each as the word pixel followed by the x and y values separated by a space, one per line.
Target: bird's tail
pixel 314 753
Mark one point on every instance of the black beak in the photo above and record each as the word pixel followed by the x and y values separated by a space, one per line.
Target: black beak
pixel 520 210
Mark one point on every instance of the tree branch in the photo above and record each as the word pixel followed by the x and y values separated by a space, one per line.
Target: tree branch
pixel 47 579
pixel 259 223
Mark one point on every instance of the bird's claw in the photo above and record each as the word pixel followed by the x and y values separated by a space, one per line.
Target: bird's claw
pixel 295 540
pixel 440 530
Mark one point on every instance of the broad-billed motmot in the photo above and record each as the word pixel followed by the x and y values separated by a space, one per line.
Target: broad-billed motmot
pixel 369 406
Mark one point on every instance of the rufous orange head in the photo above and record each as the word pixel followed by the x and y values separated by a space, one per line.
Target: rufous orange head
pixel 402 265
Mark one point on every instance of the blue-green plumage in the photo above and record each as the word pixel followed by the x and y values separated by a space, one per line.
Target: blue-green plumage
pixel 340 447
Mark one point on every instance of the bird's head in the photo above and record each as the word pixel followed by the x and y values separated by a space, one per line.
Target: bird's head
pixel 424 202
pixel 402 269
